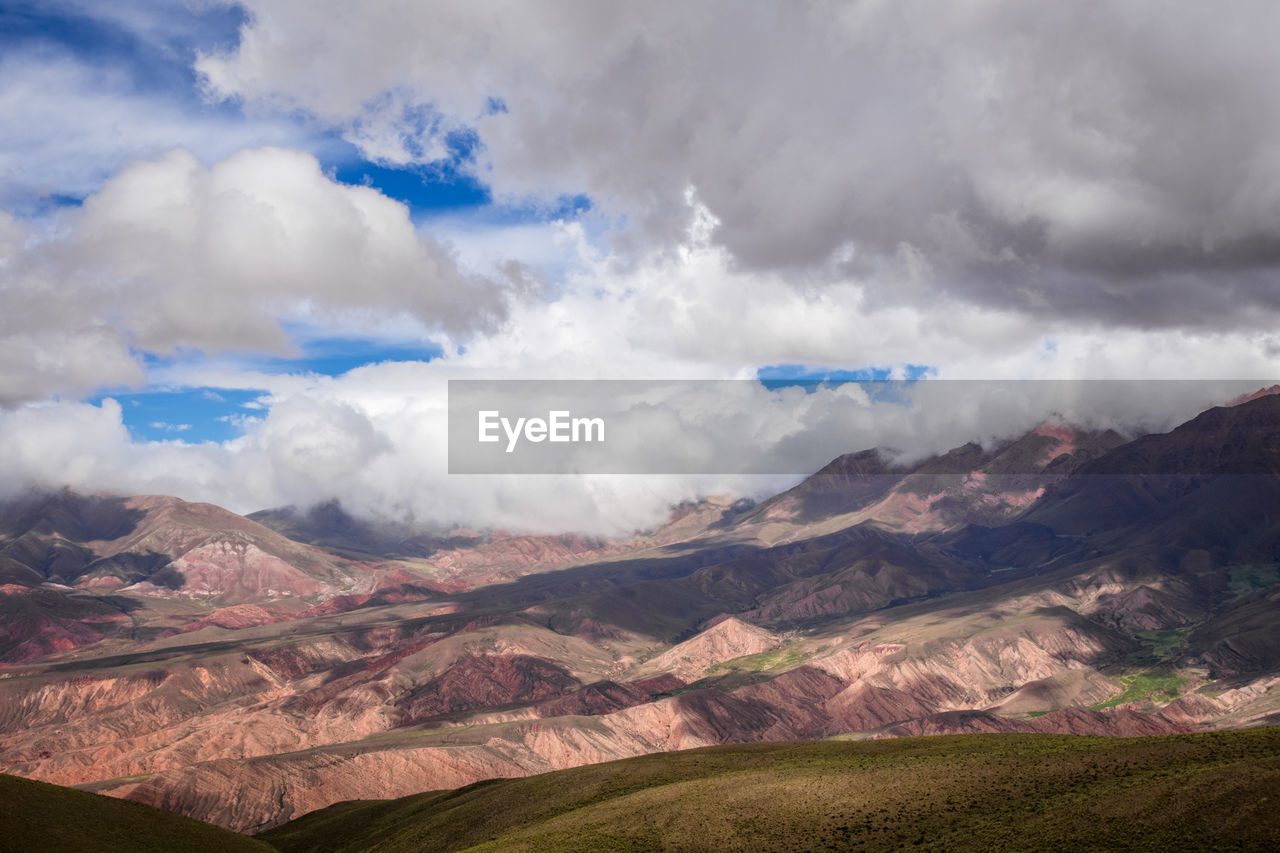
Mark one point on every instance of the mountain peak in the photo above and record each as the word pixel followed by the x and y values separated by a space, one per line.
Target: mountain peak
pixel 1261 392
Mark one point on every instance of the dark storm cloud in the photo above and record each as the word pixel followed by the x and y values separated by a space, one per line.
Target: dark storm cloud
pixel 1115 162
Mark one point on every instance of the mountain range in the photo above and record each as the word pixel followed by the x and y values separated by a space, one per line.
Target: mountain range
pixel 247 671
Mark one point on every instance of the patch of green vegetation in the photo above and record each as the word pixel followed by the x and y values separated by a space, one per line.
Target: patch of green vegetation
pixel 1158 686
pixel 1159 648
pixel 119 780
pixel 741 671
pixel 1164 642
pixel 1034 714
pixel 38 816
pixel 1246 579
pixel 964 793
pixel 778 660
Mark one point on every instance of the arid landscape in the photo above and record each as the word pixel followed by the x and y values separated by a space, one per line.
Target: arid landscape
pixel 599 426
pixel 246 671
pixel 958 792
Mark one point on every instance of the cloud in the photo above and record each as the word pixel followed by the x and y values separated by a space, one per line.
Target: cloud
pixel 48 343
pixel 225 249
pixel 1115 163
pixel 991 189
pixel 376 437
pixel 319 442
pixel 172 255
pixel 71 123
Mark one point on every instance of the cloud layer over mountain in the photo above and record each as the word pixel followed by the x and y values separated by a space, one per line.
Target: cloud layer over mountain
pixel 193 197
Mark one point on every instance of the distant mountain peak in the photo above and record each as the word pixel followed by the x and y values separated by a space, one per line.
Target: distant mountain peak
pixel 1261 392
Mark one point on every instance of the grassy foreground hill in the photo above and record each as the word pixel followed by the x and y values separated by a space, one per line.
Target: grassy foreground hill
pixel 35 816
pixel 1211 791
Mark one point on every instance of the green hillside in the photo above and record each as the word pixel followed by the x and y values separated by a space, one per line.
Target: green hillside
pixel 35 816
pixel 1216 791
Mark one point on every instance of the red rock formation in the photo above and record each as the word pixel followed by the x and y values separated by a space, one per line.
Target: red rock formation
pixel 233 617
pixel 1261 392
pixel 487 681
pixel 603 697
pixel 728 639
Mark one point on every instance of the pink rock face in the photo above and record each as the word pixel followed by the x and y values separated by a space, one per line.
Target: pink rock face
pixel 100 584
pixel 36 638
pixel 1114 722
pixel 37 623
pixel 1261 392
pixel 249 738
pixel 506 557
pixel 782 509
pixel 271 783
pixel 604 697
pixel 862 706
pixel 730 638
pixel 237 571
pixel 475 682
pixel 1064 437
pixel 236 616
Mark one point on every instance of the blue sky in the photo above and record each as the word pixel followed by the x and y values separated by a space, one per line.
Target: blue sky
pixel 142 53
pixel 188 414
pixel 154 57
pixel 787 375
pixel 444 187
pixel 151 47
pixel 148 49
pixel 200 413
pixel 160 63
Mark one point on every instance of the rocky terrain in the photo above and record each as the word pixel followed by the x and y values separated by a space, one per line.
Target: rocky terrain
pixel 246 671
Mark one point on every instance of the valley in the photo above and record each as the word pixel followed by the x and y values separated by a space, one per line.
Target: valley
pixel 247 671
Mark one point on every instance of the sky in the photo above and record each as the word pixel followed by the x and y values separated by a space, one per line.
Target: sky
pixel 244 246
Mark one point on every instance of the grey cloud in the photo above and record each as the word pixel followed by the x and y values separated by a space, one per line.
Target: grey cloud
pixel 171 254
pixel 1115 162
pixel 50 343
pixel 362 438
pixel 70 124
pixel 34 365
pixel 222 250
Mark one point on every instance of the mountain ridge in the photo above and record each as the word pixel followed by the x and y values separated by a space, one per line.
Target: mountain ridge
pixel 978 591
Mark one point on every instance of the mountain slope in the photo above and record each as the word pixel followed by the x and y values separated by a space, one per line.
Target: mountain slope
pixel 37 816
pixel 970 484
pixel 976 792
pixel 161 546
pixel 1000 608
